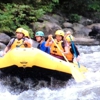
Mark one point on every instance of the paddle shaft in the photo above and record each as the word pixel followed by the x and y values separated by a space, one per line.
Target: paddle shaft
pixel 73 47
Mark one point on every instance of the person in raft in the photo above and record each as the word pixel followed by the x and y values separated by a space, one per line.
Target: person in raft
pixel 40 39
pixel 54 51
pixel 69 51
pixel 26 35
pixel 19 41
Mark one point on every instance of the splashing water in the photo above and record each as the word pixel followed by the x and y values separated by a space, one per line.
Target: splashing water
pixel 87 90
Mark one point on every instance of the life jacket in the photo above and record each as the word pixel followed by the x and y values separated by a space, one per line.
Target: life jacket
pixel 69 55
pixel 17 43
pixel 54 50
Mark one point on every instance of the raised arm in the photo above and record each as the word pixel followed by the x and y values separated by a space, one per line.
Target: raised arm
pixel 48 42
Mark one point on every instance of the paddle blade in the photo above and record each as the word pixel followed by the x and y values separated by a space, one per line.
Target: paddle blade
pixel 78 76
pixel 82 68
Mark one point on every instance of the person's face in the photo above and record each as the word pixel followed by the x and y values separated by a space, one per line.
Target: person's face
pixel 19 35
pixel 59 37
pixel 38 38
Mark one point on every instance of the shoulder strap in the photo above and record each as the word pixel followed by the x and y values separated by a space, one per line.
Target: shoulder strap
pixel 23 43
pixel 47 49
pixel 63 45
pixel 39 46
pixel 12 41
pixel 23 39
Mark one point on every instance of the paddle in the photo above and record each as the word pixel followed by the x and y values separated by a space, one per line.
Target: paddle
pixel 82 68
pixel 73 47
pixel 75 73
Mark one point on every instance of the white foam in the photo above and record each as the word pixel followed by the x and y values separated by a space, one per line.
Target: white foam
pixel 86 90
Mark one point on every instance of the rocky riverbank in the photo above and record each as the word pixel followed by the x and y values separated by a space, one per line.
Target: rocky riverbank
pixel 86 32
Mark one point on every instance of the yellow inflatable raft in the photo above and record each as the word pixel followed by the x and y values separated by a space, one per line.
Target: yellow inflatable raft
pixel 28 57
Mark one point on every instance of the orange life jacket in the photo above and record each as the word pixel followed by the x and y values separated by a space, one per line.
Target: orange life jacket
pixel 69 55
pixel 17 43
pixel 54 50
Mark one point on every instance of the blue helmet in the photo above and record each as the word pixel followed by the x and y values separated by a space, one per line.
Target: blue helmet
pixel 39 33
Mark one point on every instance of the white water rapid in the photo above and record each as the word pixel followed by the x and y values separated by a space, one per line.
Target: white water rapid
pixel 86 90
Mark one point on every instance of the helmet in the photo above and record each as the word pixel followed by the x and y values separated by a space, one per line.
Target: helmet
pixel 26 33
pixel 39 33
pixel 19 30
pixel 69 38
pixel 59 32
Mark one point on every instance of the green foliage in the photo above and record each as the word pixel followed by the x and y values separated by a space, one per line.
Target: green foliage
pixel 20 13
pixel 74 18
pixel 55 1
pixel 94 5
pixel 81 7
pixel 13 16
pixel 48 8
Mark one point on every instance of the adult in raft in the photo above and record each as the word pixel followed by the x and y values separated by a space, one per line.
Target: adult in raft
pixel 54 51
pixel 40 39
pixel 69 50
pixel 19 41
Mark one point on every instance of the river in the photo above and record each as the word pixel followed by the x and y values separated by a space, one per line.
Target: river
pixel 86 90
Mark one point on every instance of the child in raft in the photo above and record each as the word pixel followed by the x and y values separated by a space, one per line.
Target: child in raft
pixel 26 33
pixel 54 51
pixel 40 39
pixel 69 50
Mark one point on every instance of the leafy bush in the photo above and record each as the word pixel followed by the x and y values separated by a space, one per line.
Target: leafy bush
pixel 17 14
pixel 74 18
pixel 13 16
pixel 55 1
pixel 94 6
pixel 82 7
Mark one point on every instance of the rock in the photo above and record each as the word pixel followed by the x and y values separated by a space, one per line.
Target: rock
pixel 77 26
pixel 92 25
pixel 98 36
pixel 68 29
pixel 54 18
pixel 85 21
pixel 95 33
pixel 2 46
pixel 86 41
pixel 81 30
pixel 84 31
pixel 96 17
pixel 4 38
pixel 37 26
pixel 46 27
pixel 67 24
pixel 58 18
pixel 49 19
